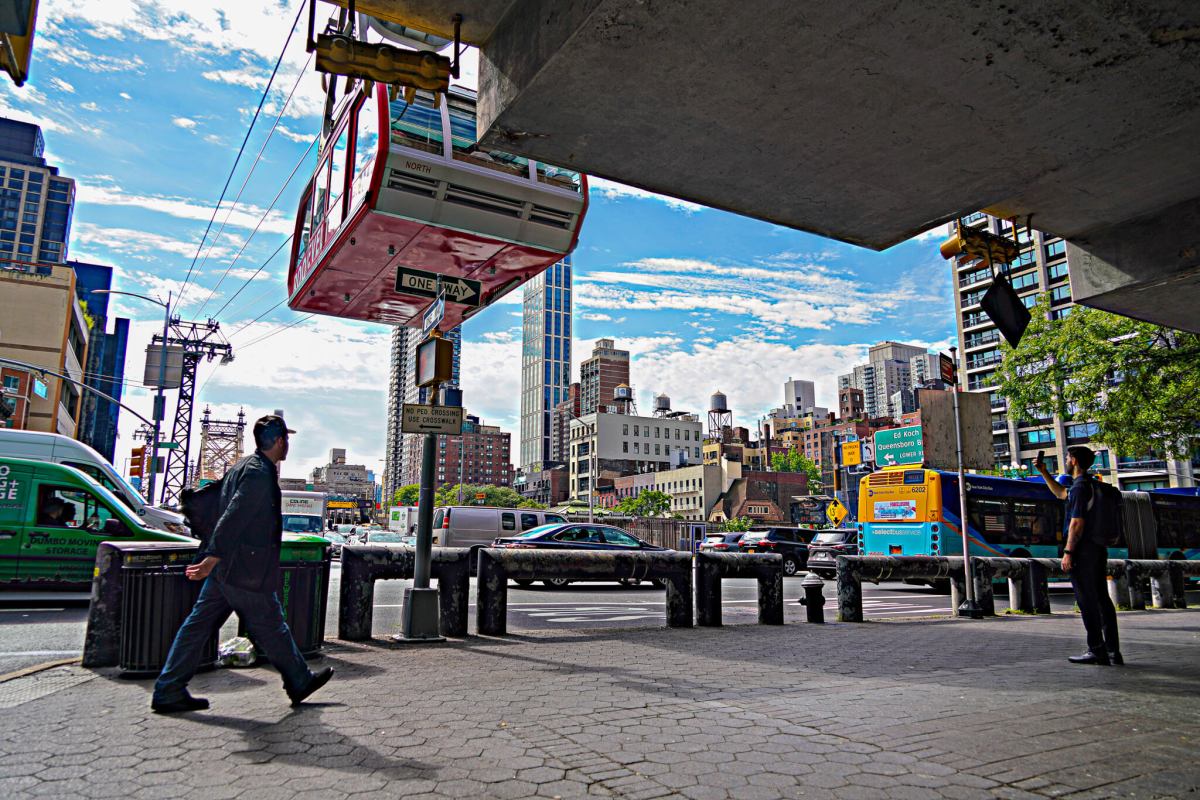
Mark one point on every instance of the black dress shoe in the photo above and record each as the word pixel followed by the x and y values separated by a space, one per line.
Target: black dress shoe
pixel 185 703
pixel 318 680
pixel 1090 658
pixel 1115 657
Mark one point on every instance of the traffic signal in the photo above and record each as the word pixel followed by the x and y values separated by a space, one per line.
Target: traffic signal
pixel 136 460
pixel 982 245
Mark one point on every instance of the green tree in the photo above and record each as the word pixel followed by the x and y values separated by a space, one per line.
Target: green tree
pixel 648 503
pixel 406 495
pixel 1138 381
pixel 795 461
pixel 737 524
pixel 500 496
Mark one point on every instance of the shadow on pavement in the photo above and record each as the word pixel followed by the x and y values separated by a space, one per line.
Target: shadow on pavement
pixel 337 751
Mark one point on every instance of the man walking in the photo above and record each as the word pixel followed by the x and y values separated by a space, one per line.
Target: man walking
pixel 1085 556
pixel 240 571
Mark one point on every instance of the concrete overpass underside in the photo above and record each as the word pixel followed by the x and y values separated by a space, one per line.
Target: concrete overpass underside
pixel 872 121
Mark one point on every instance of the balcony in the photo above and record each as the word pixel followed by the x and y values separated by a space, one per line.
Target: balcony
pixel 1001 451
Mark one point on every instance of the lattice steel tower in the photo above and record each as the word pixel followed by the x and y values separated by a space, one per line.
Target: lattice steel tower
pixel 220 445
pixel 199 340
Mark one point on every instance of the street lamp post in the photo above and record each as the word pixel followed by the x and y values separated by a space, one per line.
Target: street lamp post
pixel 159 402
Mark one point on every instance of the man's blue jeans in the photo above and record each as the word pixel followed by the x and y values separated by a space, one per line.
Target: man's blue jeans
pixel 263 616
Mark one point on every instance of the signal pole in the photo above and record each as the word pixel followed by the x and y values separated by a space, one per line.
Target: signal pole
pixel 969 607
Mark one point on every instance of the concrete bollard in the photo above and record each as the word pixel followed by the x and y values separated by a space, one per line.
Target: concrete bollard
pixel 498 565
pixel 982 574
pixel 814 598
pixel 1118 590
pixel 1037 591
pixel 362 565
pixel 1178 584
pixel 849 592
pixel 766 568
pixel 1161 593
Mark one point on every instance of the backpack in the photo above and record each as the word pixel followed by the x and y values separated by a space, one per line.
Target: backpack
pixel 1105 510
pixel 202 507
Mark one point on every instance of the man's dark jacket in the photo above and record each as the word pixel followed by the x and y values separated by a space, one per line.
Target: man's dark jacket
pixel 251 517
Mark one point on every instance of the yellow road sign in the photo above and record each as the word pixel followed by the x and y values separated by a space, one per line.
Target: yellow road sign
pixel 851 454
pixel 836 512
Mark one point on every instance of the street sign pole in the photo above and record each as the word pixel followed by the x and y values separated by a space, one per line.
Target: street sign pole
pixel 420 619
pixel 969 607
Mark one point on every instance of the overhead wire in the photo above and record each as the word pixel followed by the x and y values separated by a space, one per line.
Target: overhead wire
pixel 241 150
pixel 258 157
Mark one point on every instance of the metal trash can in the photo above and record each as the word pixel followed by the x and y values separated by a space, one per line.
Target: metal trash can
pixel 156 598
pixel 303 590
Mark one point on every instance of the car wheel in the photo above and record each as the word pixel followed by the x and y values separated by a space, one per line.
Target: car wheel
pixel 522 582
pixel 556 583
pixel 790 566
pixel 630 582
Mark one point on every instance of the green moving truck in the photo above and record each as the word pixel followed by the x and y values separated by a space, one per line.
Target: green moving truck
pixel 52 519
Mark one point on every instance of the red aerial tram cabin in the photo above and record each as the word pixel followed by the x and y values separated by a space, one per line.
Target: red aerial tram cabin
pixel 405 186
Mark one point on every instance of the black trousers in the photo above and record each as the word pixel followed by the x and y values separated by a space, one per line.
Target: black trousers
pixel 1095 606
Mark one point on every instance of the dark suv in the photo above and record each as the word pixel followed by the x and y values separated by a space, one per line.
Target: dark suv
pixel 791 543
pixel 827 546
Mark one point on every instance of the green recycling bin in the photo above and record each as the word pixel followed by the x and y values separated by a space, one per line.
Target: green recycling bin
pixel 303 589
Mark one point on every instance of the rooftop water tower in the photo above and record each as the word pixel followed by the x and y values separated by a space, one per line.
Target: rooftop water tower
pixel 662 405
pixel 719 416
pixel 623 397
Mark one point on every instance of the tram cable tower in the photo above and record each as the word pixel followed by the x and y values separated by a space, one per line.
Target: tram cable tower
pixel 198 341
pixel 220 445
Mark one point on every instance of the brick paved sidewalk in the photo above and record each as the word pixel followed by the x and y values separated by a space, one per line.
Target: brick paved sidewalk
pixel 896 710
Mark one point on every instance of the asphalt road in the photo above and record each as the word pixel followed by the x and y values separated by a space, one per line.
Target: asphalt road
pixel 35 629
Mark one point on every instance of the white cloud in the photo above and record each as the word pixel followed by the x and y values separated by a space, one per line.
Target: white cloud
pixel 183 122
pixel 125 96
pixel 62 86
pixel 136 242
pixel 619 191
pixel 89 106
pixel 287 133
pixel 244 216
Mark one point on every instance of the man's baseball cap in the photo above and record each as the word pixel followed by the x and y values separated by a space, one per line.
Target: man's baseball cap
pixel 271 423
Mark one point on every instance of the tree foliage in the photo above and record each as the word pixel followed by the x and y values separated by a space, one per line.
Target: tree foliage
pixel 648 503
pixel 1138 381
pixel 795 461
pixel 737 524
pixel 406 495
pixel 499 496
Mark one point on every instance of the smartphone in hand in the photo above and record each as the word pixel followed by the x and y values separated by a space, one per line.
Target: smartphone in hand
pixel 1039 462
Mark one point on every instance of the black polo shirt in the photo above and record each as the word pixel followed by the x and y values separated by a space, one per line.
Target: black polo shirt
pixel 1081 504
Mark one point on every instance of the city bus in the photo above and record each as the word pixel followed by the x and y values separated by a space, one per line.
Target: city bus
pixel 915 511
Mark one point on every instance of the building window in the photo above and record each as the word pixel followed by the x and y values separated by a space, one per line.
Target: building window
pixel 625 429
pixel 624 447
pixel 1035 438
pixel 635 430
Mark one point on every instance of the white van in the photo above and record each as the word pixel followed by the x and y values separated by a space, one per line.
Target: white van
pixel 478 526
pixel 55 448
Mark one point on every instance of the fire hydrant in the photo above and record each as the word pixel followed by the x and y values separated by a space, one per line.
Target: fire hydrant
pixel 814 598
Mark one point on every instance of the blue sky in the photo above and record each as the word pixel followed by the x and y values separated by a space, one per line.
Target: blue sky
pixel 145 104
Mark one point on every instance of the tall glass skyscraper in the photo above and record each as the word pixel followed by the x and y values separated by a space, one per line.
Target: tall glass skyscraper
pixel 545 359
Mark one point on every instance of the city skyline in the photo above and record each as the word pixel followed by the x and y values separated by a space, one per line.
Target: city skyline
pixel 702 299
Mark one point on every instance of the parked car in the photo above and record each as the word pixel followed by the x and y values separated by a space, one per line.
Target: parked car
pixel 478 526
pixel 389 537
pixel 827 546
pixel 721 542
pixel 791 543
pixel 575 536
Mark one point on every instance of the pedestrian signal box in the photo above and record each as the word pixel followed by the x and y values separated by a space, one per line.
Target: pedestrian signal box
pixel 435 361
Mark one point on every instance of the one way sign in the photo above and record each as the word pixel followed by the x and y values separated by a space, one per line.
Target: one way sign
pixel 425 284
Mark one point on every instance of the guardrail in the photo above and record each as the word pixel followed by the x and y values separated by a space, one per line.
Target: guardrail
pixel 498 565
pixel 1028 580
pixel 711 568
pixel 363 564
